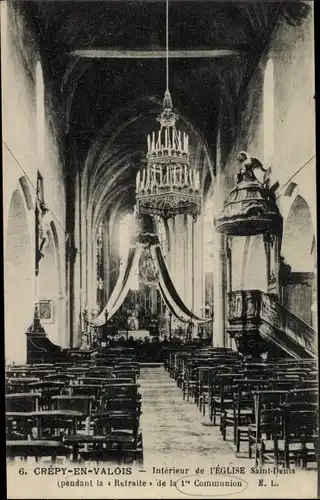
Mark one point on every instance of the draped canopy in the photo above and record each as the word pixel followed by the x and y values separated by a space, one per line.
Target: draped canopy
pixel 167 289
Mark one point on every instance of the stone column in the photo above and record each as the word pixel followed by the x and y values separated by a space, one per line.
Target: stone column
pixel 229 342
pixel 185 258
pixel 188 263
pixel 219 261
pixel 220 290
pixel 106 261
pixel 198 267
pixel 72 270
pixel 89 299
pixel 179 255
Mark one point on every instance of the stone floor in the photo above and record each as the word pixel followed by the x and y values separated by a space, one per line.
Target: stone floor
pixel 175 435
pixel 173 430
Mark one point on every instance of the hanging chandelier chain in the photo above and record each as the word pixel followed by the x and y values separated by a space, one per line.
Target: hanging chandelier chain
pixel 168 185
pixel 167 43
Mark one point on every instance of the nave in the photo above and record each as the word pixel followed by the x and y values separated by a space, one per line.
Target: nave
pixel 110 409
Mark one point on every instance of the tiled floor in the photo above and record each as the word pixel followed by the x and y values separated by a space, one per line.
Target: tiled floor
pixel 174 431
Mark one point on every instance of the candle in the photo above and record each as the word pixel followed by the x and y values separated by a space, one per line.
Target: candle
pixel 148 178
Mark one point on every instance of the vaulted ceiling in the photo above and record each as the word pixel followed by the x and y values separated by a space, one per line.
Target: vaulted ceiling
pixel 107 55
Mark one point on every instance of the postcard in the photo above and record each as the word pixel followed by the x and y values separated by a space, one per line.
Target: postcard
pixel 160 249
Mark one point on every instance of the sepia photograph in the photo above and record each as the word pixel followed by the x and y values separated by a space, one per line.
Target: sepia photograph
pixel 160 249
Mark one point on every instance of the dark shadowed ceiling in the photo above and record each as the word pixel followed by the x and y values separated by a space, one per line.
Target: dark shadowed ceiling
pixel 106 55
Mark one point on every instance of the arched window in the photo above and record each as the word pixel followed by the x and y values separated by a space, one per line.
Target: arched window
pixel 40 113
pixel 268 113
pixel 126 231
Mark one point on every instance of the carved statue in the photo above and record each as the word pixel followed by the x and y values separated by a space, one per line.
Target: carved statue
pixel 247 168
pixel 43 220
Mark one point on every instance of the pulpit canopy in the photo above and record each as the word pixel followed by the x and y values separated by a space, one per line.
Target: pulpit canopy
pixel 251 208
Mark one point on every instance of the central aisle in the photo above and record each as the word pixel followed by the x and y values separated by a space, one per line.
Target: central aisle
pixel 174 432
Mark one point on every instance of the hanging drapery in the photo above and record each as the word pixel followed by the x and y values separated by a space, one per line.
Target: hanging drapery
pixel 121 288
pixel 168 289
pixel 131 270
pixel 169 306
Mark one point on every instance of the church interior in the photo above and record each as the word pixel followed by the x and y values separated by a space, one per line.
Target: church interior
pixel 159 216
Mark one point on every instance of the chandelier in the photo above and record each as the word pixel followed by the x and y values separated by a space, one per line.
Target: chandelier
pixel 168 185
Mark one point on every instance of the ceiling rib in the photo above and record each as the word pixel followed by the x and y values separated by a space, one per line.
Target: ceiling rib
pixel 154 54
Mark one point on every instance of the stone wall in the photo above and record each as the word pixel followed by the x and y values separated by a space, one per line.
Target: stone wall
pixel 24 154
pixel 287 144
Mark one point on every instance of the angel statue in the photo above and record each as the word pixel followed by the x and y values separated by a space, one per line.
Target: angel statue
pixel 248 167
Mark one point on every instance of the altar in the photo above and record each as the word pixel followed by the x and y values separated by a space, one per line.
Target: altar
pixel 136 334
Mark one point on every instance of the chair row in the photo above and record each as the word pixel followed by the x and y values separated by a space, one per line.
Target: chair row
pixel 270 406
pixel 79 411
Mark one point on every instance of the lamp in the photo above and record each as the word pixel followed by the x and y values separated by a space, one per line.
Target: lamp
pixel 168 185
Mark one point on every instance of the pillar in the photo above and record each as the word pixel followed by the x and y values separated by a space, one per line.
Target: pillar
pixel 179 255
pixel 106 261
pixel 198 267
pixel 229 341
pixel 189 263
pixel 220 291
pixel 219 265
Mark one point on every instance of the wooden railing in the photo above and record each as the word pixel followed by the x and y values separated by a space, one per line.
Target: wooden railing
pixel 255 314
pixel 282 319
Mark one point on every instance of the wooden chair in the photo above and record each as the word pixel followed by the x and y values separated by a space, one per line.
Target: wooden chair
pixel 124 437
pixel 264 434
pixel 221 395
pixel 241 414
pixel 300 434
pixel 47 388
pixel 80 403
pixel 54 424
pixel 37 449
pixel 22 402
pixel 19 384
pixel 128 373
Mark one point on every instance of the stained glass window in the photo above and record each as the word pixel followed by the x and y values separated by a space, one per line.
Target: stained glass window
pixel 268 113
